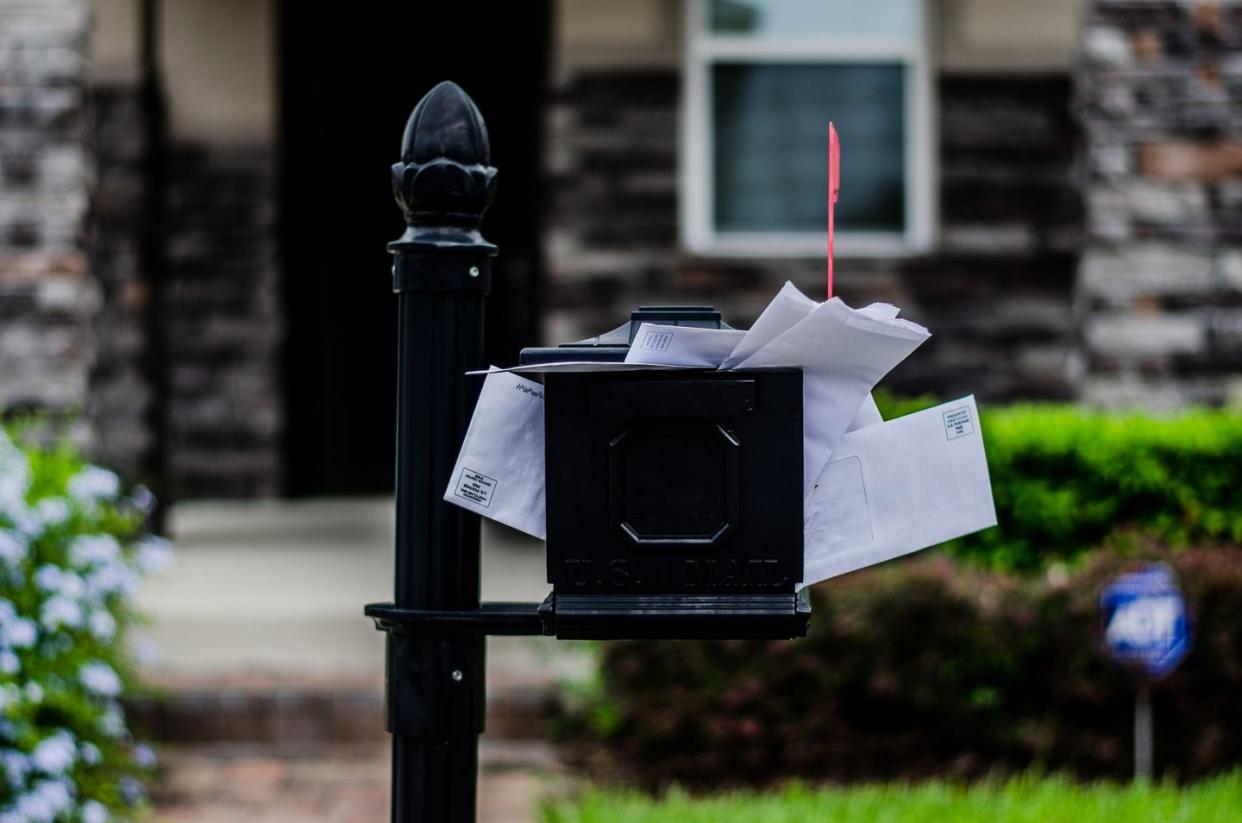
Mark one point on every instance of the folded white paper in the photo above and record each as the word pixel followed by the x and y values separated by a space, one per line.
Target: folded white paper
pixel 868 415
pixel 659 345
pixel 843 353
pixel 500 468
pixel 898 487
pixel 787 308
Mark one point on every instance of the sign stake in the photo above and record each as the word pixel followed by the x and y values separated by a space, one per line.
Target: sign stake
pixel 1144 739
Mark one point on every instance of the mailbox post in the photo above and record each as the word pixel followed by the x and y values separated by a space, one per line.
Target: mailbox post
pixel 653 553
pixel 441 273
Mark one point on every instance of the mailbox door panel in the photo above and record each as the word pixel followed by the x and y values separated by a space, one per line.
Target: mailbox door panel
pixel 674 482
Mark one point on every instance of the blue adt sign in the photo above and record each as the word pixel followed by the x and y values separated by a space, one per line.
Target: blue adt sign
pixel 1145 619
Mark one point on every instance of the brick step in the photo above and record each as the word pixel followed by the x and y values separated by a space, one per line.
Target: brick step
pixel 308 711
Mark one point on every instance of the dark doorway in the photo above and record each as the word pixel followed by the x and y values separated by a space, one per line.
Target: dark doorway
pixel 350 75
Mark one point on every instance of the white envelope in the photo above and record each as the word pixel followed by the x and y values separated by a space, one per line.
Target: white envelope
pixel 898 487
pixel 500 468
pixel 660 345
pixel 843 353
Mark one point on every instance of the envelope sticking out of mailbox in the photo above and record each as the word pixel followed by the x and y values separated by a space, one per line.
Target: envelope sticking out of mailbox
pixel 500 468
pixel 897 487
pixel 873 490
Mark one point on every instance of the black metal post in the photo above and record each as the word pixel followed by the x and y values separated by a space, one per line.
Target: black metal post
pixel 441 274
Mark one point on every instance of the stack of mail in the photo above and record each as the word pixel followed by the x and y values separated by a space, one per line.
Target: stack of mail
pixel 874 490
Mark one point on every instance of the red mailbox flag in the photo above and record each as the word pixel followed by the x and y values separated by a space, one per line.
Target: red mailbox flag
pixel 834 188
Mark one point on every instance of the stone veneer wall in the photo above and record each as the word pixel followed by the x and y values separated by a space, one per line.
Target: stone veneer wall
pixel 47 297
pixel 222 309
pixel 219 311
pixel 1159 93
pixel 997 292
pixel 73 335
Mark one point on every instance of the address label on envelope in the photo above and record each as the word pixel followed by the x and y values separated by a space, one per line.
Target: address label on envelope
pixel 893 488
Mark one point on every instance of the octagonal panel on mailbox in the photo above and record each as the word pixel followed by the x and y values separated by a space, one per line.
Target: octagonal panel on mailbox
pixel 674 483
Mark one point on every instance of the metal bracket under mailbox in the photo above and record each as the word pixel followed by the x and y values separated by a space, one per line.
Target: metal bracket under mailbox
pixel 497 619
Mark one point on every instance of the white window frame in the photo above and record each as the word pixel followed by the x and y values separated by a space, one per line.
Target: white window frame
pixel 697 144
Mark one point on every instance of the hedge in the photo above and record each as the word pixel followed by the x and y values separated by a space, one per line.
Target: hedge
pixel 72 553
pixel 1065 478
pixel 915 669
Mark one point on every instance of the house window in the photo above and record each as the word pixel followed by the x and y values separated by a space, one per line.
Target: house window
pixel 763 79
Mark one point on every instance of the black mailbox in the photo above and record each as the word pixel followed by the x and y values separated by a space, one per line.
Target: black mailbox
pixel 674 498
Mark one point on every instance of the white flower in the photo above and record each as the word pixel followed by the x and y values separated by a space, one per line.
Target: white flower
pixel 34 808
pixel 9 664
pixel 22 633
pixel 45 802
pixel 94 812
pixel 112 723
pixel 100 679
pixel 47 578
pixel 14 475
pixel 142 499
pixel 94 483
pixel 60 611
pixel 55 580
pixel 58 793
pixel 52 511
pixel 154 554
pixel 102 625
pixel 16 767
pixel 93 550
pixel 55 754
pixel 113 578
pixel 9 694
pixel 145 651
pixel 12 547
pixel 132 790
pixel 25 521
pixel 34 692
pixel 91 754
pixel 144 756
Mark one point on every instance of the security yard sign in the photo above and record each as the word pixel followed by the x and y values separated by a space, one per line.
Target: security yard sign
pixel 1145 626
pixel 1145 620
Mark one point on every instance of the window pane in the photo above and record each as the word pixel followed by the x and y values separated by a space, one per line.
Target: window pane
pixel 771 138
pixel 867 18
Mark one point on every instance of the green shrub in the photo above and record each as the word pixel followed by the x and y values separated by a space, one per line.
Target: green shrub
pixel 1065 478
pixel 72 553
pixel 922 668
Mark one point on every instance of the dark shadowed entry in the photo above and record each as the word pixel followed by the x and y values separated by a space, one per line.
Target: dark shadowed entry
pixel 350 74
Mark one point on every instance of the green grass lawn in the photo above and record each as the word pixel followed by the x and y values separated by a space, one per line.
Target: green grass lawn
pixel 1027 799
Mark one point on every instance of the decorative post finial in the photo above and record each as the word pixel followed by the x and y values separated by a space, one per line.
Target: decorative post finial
pixel 443 183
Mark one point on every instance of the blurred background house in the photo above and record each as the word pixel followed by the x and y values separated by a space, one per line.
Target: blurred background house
pixel 195 202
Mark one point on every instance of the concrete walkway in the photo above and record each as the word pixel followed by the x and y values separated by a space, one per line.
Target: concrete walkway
pixel 279 586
